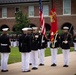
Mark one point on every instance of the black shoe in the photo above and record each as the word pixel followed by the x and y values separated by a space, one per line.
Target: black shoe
pixel 26 71
pixel 30 64
pixel 4 70
pixel 54 64
pixel 65 66
pixel 34 68
pixel 41 64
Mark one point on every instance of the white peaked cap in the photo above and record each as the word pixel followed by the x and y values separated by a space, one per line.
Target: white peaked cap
pixel 29 28
pixel 24 29
pixel 34 27
pixel 5 29
pixel 66 28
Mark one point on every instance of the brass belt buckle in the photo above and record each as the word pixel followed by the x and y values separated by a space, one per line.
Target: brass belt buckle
pixel 53 46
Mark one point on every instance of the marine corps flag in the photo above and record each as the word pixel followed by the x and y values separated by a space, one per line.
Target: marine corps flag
pixel 54 26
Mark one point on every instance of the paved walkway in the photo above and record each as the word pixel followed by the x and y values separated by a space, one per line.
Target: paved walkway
pixel 15 69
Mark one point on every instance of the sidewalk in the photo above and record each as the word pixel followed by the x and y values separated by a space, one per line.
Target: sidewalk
pixel 15 69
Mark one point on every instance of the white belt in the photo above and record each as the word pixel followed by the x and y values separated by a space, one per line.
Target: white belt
pixel 4 44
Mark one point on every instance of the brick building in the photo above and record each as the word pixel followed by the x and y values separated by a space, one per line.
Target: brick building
pixel 66 12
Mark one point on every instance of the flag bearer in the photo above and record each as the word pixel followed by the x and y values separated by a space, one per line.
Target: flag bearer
pixel 54 49
pixel 65 45
pixel 42 45
pixel 4 49
pixel 25 49
pixel 35 48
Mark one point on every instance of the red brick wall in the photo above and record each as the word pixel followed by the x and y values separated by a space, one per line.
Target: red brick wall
pixel 36 10
pixel 62 19
pixel 10 11
pixel 8 22
pixel 69 19
pixel 59 7
pixel 73 6
pixel 36 21
pixel 24 9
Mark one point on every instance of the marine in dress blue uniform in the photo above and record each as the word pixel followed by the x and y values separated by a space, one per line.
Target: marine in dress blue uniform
pixel 4 49
pixel 65 45
pixel 41 47
pixel 54 49
pixel 30 34
pixel 25 49
pixel 34 51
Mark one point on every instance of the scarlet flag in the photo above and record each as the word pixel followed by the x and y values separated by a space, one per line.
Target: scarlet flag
pixel 42 23
pixel 54 26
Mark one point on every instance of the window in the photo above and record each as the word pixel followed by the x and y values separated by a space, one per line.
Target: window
pixel 66 7
pixel 17 9
pixel 4 12
pixel 45 10
pixel 31 10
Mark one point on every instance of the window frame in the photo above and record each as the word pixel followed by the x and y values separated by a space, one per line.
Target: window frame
pixel 4 12
pixel 70 9
pixel 29 11
pixel 47 12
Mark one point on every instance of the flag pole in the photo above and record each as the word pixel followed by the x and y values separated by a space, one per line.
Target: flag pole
pixel 52 4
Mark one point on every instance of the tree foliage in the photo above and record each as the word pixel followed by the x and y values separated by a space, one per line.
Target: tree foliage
pixel 21 21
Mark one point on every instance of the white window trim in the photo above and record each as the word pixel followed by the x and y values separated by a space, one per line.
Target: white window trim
pixel 2 12
pixel 63 9
pixel 28 12
pixel 4 17
pixel 31 16
pixel 45 15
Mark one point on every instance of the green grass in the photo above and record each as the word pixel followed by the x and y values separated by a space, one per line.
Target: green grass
pixel 48 52
pixel 15 55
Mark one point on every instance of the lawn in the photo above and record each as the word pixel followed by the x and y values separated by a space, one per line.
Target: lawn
pixel 15 55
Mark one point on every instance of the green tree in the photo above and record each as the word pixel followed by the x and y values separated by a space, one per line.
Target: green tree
pixel 21 21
